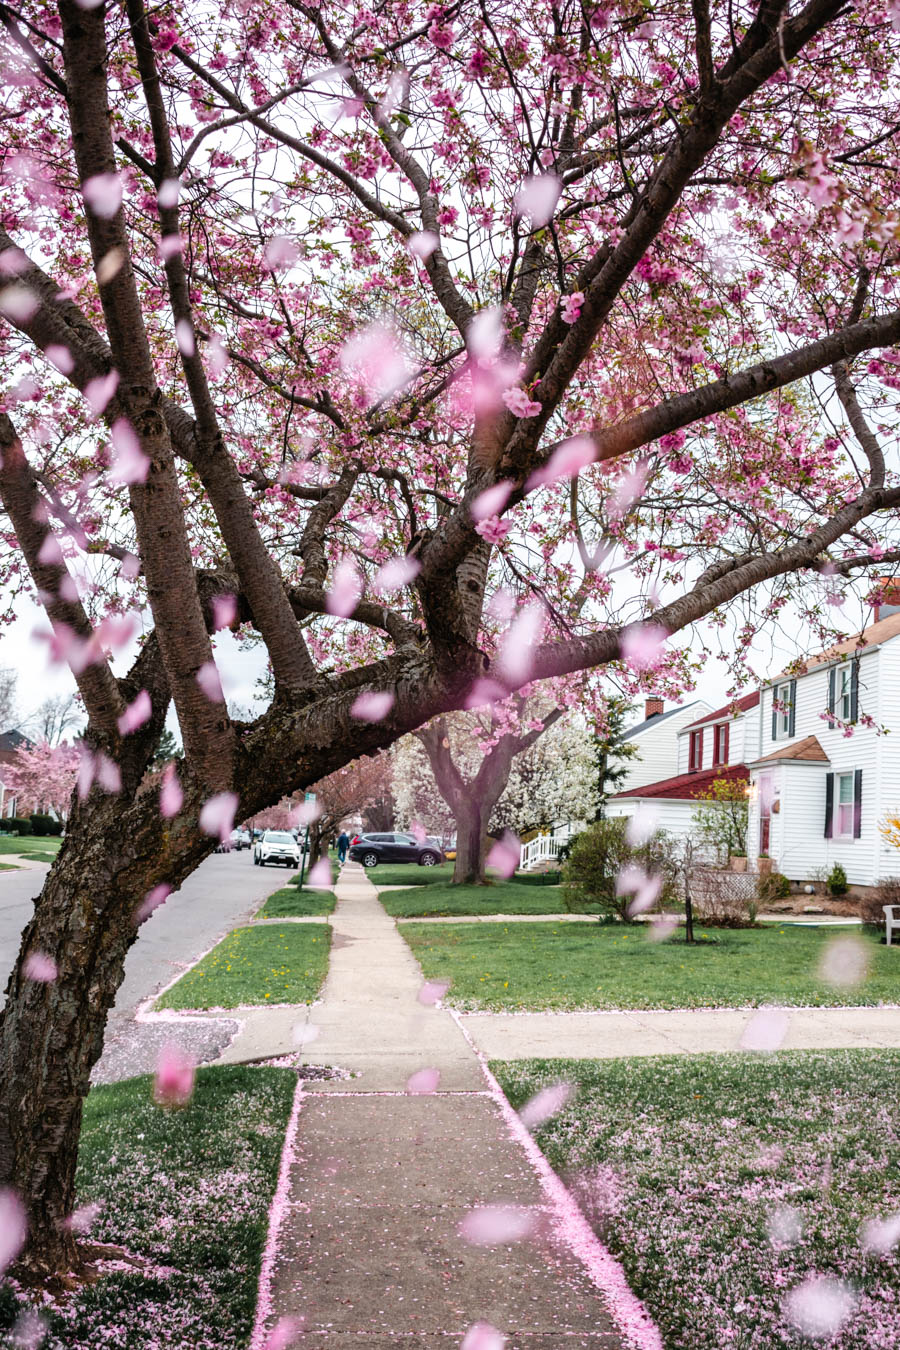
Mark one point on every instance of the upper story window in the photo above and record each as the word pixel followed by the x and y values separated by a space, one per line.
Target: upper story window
pixel 784 699
pixel 843 691
pixel 695 761
pixel 844 805
pixel 720 744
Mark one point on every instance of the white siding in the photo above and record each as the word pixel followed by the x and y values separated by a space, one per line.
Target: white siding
pixel 743 738
pixel 888 715
pixel 658 748
pixel 670 814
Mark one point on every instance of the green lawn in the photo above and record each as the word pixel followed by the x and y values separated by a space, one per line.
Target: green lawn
pixel 504 897
pixel 589 965
pixel 291 902
pixel 409 874
pixel 723 1182
pixel 31 846
pixel 267 964
pixel 189 1191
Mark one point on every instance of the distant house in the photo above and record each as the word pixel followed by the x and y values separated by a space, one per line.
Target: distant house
pixel 716 744
pixel 824 776
pixel 10 742
pixel 656 738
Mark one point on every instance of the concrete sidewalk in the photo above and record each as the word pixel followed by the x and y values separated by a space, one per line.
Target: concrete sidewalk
pixel 369 1253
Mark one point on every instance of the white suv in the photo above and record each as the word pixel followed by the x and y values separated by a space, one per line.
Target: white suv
pixel 276 846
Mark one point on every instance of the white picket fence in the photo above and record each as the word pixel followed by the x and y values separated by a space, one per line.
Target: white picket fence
pixel 544 848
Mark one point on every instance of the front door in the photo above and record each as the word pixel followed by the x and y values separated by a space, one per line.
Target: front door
pixel 765 812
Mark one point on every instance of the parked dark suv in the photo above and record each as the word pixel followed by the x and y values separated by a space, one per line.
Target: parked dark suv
pixel 371 849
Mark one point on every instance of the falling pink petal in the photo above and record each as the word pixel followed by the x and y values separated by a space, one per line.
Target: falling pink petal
pixel 224 608
pixel 306 813
pixel 765 1031
pixel 484 335
pixel 482 1336
pixel 501 606
pixel 820 1306
pixel 169 247
pixel 418 831
pixel 280 251
pixel 880 1235
pixel 422 244
pixel 98 392
pixel 18 303
pixel 82 1220
pixel 284 1333
pixel 393 574
pixel 169 192
pixel 784 1227
pixel 40 968
pixel 516 658
pixel 320 873
pixel 173 1084
pixel 130 464
pixel 61 357
pixel 136 714
pixel 130 567
pixel 217 354
pixel 208 679
pixel 304 1033
pixel 117 631
pixel 491 501
pixel 845 962
pixel 642 825
pixel 628 489
pixel 423 1083
pixel 103 194
pixel 485 693
pixel 152 901
pixel 184 337
pixel 107 774
pixel 29 1330
pixel 50 551
pixel 171 796
pixel 545 1104
pixel 110 265
pixel 375 360
pixel 641 645
pixel 217 814
pixel 13 1228
pixel 567 461
pixel 372 706
pixel 491 1225
pixel 432 992
pixel 503 857
pixel 537 198
pixel 13 262
pixel 661 929
pixel 346 588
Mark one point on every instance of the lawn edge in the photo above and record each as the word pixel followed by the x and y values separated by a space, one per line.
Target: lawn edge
pixel 278 1208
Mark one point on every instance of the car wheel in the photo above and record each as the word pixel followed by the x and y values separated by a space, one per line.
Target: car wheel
pixel 370 860
pixel 428 860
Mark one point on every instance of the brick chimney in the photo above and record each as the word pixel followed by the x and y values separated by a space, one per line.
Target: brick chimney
pixel 890 602
pixel 653 707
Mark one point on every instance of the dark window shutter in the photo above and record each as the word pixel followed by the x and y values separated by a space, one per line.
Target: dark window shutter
pixel 774 713
pixel 857 804
pixel 792 695
pixel 832 688
pixel 854 691
pixel 829 805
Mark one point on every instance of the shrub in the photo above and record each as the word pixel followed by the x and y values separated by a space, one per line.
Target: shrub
pixel 885 892
pixel 775 886
pixel 17 825
pixel 595 860
pixel 724 899
pixel 837 880
pixel 42 825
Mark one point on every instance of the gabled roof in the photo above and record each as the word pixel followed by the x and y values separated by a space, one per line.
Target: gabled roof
pixel 687 786
pixel 873 636
pixel 659 718
pixel 12 740
pixel 730 710
pixel 808 749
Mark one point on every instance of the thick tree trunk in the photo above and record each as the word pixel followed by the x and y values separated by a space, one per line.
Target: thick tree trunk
pixel 468 869
pixel 51 1031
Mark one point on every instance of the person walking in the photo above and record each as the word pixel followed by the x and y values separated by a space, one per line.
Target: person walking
pixel 343 845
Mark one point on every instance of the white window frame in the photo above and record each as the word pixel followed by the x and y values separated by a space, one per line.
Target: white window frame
pixel 839 805
pixel 783 725
pixel 843 700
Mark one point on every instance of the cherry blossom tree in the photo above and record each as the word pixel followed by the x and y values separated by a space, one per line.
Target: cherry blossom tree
pixel 441 350
pixel 346 792
pixel 44 776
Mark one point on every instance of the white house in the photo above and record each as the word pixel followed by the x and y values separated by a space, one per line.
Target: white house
pixel 657 741
pixel 713 745
pixel 826 774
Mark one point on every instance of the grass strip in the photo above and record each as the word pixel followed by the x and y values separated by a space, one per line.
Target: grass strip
pixel 187 1190
pixel 291 903
pixel 723 1182
pixel 504 897
pixel 503 967
pixel 31 845
pixel 259 965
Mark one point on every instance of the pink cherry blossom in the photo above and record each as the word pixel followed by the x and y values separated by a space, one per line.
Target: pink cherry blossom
pixel 422 243
pixel 372 706
pixel 493 1225
pixel 217 814
pixel 40 968
pixel 482 1336
pixel 136 714
pixel 820 1306
pixel 210 682
pixel 103 194
pixel 765 1031
pixel 571 306
pixel 493 530
pixel 13 1228
pixel 544 1105
pixel 98 392
pixel 171 796
pixel 490 502
pixel 346 589
pixel 567 461
pixel 423 1083
pixel 394 574
pixel 537 198
pixel 320 873
pixel 503 856
pixel 130 464
pixel 152 901
pixel 641 645
pixel 173 1084
pixel 224 608
pixel 519 404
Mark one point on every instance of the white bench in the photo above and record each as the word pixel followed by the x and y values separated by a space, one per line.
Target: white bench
pixel 891 920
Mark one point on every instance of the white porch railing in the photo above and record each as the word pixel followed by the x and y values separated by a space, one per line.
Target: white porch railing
pixel 544 848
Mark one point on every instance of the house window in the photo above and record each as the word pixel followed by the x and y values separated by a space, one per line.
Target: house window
pixel 844 806
pixel 720 744
pixel 783 713
pixel 695 762
pixel 845 694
